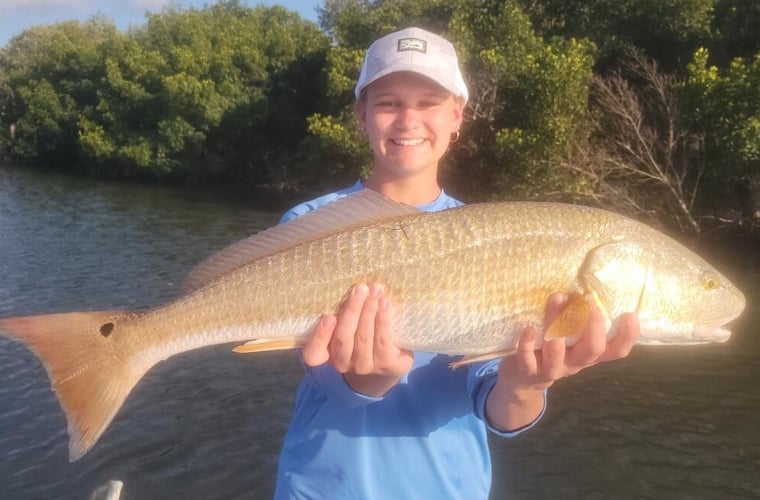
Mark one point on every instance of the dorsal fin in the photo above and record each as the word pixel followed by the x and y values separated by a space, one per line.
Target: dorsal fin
pixel 357 209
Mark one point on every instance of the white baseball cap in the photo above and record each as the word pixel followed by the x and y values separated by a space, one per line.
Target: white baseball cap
pixel 416 50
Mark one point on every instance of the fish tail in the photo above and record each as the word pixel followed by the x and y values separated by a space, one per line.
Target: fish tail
pixel 90 375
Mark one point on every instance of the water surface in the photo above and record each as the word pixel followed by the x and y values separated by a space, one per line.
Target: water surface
pixel 665 423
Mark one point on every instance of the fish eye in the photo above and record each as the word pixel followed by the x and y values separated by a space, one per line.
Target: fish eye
pixel 710 281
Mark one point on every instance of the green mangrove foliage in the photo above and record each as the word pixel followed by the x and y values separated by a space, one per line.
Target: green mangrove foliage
pixel 193 94
pixel 648 106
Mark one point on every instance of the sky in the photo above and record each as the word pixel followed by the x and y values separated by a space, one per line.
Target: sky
pixel 17 15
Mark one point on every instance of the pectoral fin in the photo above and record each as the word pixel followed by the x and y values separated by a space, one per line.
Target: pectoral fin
pixel 571 320
pixel 263 345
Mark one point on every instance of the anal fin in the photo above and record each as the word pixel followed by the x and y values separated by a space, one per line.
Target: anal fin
pixel 264 345
pixel 486 356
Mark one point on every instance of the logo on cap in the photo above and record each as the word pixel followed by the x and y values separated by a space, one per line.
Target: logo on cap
pixel 405 44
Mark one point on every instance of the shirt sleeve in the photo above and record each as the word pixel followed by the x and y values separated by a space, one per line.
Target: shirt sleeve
pixel 481 380
pixel 332 384
pixel 294 212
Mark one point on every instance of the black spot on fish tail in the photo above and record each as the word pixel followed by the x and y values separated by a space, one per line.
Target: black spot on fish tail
pixel 106 329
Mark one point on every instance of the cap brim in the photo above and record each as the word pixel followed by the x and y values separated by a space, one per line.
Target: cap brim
pixel 446 84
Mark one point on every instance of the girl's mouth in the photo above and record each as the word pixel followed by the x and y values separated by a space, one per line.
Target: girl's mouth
pixel 407 142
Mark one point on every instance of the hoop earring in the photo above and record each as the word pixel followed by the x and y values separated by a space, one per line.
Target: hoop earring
pixel 455 138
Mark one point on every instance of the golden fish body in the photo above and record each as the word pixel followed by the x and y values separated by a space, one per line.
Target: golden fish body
pixel 462 281
pixel 465 281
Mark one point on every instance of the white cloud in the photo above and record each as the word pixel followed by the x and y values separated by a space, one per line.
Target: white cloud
pixel 151 5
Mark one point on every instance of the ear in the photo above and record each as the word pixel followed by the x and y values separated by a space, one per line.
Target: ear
pixel 458 113
pixel 361 113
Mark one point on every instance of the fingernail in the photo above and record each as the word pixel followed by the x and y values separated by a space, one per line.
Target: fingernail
pixel 360 290
pixel 530 335
pixel 328 321
pixel 375 290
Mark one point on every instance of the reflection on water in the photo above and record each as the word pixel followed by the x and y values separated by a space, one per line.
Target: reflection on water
pixel 665 423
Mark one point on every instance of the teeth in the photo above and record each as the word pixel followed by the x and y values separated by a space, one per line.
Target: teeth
pixel 407 142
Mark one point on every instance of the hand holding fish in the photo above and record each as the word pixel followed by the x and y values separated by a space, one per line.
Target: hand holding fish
pixel 359 343
pixel 518 397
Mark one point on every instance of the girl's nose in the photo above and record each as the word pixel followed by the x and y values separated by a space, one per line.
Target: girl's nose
pixel 407 117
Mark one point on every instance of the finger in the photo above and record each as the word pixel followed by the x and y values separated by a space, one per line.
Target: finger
pixel 383 341
pixel 342 343
pixel 315 350
pixel 552 365
pixel 554 306
pixel 526 352
pixel 363 354
pixel 389 357
pixel 626 334
pixel 592 343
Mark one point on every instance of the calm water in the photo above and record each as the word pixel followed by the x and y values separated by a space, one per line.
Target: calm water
pixel 665 423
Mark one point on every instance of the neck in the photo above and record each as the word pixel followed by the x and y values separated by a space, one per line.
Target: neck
pixel 416 190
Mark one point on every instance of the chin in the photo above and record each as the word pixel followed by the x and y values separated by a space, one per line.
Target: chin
pixel 409 168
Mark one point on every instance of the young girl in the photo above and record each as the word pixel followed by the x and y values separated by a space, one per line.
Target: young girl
pixel 373 421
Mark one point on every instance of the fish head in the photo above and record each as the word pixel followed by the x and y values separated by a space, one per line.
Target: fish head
pixel 678 296
pixel 692 305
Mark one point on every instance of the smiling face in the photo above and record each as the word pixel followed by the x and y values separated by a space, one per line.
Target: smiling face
pixel 409 121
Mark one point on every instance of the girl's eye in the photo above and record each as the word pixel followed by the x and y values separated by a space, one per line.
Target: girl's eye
pixel 429 104
pixel 391 103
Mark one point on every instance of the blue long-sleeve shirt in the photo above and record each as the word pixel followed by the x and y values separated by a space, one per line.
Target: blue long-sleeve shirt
pixel 426 438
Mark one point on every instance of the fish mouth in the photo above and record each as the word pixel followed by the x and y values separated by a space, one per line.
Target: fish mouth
pixel 697 335
pixel 721 335
pixel 711 334
pixel 717 331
